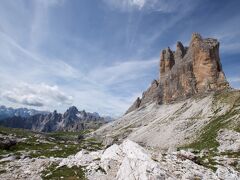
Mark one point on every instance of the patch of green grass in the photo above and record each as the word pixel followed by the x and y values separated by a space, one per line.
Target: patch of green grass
pixel 16 132
pixel 55 173
pixel 92 144
pixel 61 151
pixel 65 135
pixel 2 152
pixel 237 128
pixel 228 97
pixel 57 149
pixel 49 150
pixel 207 138
pixel 231 154
pixel 211 164
pixel 56 144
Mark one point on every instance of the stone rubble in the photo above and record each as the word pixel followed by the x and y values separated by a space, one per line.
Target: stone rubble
pixel 227 173
pixel 25 169
pixel 129 161
pixel 229 140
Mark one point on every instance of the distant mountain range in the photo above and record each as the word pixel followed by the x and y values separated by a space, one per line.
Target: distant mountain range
pixel 8 112
pixel 71 120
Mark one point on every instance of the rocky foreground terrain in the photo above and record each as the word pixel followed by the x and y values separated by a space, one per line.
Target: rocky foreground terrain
pixel 29 155
pixel 50 159
pixel 185 126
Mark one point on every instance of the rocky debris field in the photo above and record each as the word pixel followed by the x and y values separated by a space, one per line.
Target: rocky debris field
pixel 125 161
pixel 63 155
pixel 29 155
pixel 131 161
pixel 229 141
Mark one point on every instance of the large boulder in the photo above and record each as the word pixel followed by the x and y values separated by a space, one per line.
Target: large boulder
pixel 126 161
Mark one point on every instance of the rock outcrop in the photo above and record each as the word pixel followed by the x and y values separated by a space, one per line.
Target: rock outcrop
pixel 187 71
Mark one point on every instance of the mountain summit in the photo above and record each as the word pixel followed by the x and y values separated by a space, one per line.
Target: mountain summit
pixel 185 72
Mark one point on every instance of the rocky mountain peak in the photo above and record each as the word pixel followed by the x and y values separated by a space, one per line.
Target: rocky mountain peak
pixel 55 112
pixel 180 52
pixel 72 110
pixel 196 36
pixel 71 113
pixel 185 72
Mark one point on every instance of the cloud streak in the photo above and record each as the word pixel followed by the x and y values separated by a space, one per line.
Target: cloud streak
pixel 40 21
pixel 234 79
pixel 122 72
pixel 164 6
pixel 126 4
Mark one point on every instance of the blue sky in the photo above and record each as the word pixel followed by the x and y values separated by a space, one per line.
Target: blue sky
pixel 101 54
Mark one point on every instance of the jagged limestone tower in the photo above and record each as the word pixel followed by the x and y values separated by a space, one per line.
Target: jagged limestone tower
pixel 187 71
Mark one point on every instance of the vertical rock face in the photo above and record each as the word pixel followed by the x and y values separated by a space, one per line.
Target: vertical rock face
pixel 186 72
pixel 167 61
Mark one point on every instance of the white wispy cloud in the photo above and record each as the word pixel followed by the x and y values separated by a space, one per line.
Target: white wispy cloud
pixel 231 48
pixel 228 37
pixel 49 3
pixel 164 6
pixel 39 22
pixel 234 79
pixel 235 82
pixel 12 53
pixel 126 4
pixel 97 93
pixel 37 95
pixel 172 13
pixel 122 72
pixel 101 100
